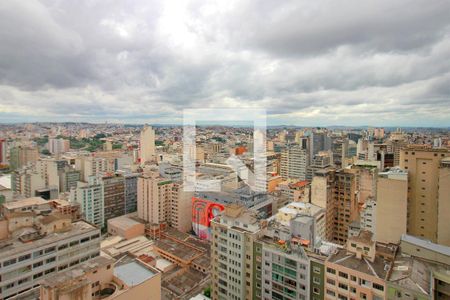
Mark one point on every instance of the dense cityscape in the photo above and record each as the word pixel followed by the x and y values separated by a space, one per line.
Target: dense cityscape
pixel 225 150
pixel 100 211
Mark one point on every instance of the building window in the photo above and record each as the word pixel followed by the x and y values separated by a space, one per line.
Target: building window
pixel 378 286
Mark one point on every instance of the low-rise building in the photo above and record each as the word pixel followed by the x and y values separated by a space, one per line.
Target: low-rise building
pixel 101 278
pixel 359 271
pixel 36 244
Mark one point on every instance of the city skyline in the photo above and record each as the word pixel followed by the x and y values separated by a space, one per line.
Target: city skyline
pixel 322 64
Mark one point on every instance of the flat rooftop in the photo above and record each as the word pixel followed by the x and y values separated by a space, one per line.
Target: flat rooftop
pixel 124 222
pixel 177 249
pixel 181 281
pixel 13 246
pixel 133 273
pixel 25 202
pixel 426 244
pixel 136 246
pixel 63 278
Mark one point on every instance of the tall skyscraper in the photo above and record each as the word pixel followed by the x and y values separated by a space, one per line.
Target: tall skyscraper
pixel 423 166
pixel 147 144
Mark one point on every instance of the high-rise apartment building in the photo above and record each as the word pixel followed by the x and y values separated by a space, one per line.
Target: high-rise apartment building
pixel 130 191
pixel 37 243
pixel 39 178
pixel 321 161
pixel 232 252
pixel 339 148
pixel 69 179
pixel 113 196
pixel 26 182
pixel 2 151
pixel 58 146
pixel 90 197
pixel 423 166
pixel 181 208
pixel 366 181
pixel 160 200
pixel 294 162
pixel 147 144
pixel 153 197
pixel 345 203
pixel 22 155
pixel 397 140
pixel 319 141
pixel 443 228
pixel 322 195
pixel 392 205
pixel 95 166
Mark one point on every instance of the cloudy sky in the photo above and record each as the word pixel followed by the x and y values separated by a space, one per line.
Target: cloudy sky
pixel 321 62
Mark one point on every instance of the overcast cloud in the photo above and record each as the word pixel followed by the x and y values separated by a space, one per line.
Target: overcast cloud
pixel 322 62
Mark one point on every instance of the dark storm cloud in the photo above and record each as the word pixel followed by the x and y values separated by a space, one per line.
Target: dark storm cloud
pixel 315 61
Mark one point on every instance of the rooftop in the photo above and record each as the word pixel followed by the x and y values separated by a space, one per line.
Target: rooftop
pixel 378 268
pixel 62 278
pixel 124 222
pixel 133 273
pixel 25 202
pixel 412 274
pixel 177 249
pixel 181 281
pixel 13 246
pixel 426 244
pixel 115 247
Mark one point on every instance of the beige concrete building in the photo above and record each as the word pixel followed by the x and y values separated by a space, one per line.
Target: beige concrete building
pixel 160 200
pixel 37 243
pixel 322 196
pixel 423 166
pixel 345 200
pixel 392 202
pixel 153 196
pixel 95 165
pixel 443 226
pixel 147 144
pixel 360 270
pixel 294 162
pixel 101 279
pixel 21 156
pixel 127 226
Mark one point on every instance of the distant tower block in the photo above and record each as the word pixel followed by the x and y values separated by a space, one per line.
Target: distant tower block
pixel 147 144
